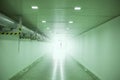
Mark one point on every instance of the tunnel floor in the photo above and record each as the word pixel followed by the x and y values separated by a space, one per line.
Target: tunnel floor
pixel 46 69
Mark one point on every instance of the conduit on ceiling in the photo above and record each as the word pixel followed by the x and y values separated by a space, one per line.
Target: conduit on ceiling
pixel 9 25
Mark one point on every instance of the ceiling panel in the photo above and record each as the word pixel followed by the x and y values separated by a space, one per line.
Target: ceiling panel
pixel 57 13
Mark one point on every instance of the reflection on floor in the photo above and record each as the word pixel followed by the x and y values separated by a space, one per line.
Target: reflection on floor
pixel 48 69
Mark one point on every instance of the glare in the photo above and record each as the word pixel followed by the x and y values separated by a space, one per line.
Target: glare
pixel 58 65
pixel 61 46
pixel 70 21
pixel 77 8
pixel 55 70
pixel 61 69
pixel 43 21
pixel 34 7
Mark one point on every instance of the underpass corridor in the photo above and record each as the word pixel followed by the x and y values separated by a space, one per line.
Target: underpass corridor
pixel 93 55
pixel 59 39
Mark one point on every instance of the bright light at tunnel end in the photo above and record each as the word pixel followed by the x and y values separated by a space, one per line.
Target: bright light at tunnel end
pixel 61 46
pixel 34 7
pixel 77 8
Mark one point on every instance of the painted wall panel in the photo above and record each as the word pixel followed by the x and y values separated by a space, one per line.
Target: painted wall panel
pixel 15 56
pixel 99 50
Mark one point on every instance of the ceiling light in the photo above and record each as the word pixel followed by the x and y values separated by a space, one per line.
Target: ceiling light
pixel 43 21
pixel 77 8
pixel 70 21
pixel 34 7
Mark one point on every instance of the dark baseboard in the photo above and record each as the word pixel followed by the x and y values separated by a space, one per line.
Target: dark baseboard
pixel 25 70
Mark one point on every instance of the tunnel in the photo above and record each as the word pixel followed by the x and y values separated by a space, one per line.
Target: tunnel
pixel 59 39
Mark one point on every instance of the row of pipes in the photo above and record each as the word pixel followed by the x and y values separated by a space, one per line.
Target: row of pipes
pixel 9 25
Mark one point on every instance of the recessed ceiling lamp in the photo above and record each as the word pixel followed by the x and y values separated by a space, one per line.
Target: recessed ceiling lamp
pixel 77 8
pixel 70 22
pixel 43 21
pixel 34 7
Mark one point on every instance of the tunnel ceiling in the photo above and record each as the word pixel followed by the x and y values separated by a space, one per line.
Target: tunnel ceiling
pixel 58 13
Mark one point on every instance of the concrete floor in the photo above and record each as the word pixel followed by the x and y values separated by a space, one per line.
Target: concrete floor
pixel 48 70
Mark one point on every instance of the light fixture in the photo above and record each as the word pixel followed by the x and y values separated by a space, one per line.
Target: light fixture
pixel 34 7
pixel 70 21
pixel 77 8
pixel 43 21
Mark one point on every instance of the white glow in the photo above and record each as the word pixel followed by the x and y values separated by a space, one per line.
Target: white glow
pixel 61 69
pixel 59 43
pixel 77 8
pixel 55 70
pixel 34 7
pixel 43 21
pixel 61 46
pixel 58 65
pixel 70 21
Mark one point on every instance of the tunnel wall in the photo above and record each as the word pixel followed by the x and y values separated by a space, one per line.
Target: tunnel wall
pixel 15 55
pixel 99 50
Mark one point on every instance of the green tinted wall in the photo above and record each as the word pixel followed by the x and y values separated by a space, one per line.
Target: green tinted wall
pixel 15 56
pixel 99 50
